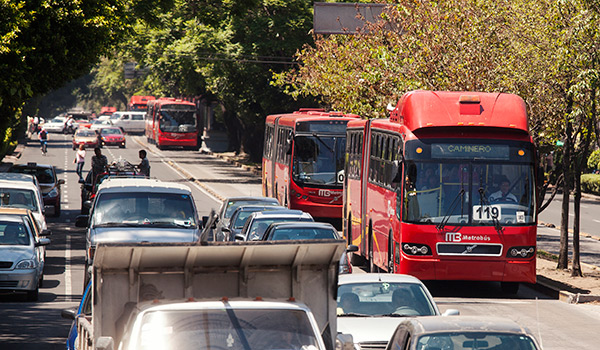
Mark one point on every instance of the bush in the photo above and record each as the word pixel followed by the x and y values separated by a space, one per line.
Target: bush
pixel 594 160
pixel 590 183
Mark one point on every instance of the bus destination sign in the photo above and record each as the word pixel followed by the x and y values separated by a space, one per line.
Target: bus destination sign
pixel 469 151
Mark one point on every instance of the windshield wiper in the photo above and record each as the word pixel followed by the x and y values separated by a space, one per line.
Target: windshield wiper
pixel 171 224
pixel 483 200
pixel 314 134
pixel 448 214
pixel 119 224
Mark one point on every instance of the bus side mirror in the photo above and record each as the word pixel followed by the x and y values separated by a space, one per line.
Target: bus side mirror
pixel 288 146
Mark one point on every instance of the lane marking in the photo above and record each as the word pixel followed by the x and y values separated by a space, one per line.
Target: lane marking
pixel 68 268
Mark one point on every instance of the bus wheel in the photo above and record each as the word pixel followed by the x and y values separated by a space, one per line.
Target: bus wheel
pixel 509 287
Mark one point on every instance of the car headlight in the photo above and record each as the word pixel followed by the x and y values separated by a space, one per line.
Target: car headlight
pixel 53 192
pixel 26 264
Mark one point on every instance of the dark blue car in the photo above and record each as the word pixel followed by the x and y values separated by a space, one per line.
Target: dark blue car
pixel 84 308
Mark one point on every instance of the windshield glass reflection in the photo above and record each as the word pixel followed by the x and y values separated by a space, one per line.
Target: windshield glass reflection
pixel 319 159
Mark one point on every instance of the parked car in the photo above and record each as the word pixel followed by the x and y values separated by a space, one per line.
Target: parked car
pixel 120 169
pixel 127 210
pixel 84 309
pixel 371 305
pixel 48 181
pixel 130 121
pixel 462 332
pixel 213 228
pixel 86 137
pixel 56 125
pixel 241 214
pixel 280 231
pixel 257 223
pixel 112 136
pixel 21 256
pixel 23 191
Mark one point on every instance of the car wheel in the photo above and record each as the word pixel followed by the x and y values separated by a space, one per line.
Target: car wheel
pixel 41 282
pixel 509 287
pixel 33 295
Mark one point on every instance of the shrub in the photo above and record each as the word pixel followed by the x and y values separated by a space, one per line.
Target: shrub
pixel 590 183
pixel 594 160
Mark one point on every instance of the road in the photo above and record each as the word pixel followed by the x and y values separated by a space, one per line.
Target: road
pixel 26 325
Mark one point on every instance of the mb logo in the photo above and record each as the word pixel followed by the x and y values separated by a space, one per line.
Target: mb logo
pixel 453 236
pixel 324 193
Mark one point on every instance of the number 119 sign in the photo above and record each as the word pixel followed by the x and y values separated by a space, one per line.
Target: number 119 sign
pixel 486 212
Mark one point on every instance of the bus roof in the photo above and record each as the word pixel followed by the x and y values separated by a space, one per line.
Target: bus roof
pixel 170 101
pixel 426 109
pixel 138 99
pixel 312 114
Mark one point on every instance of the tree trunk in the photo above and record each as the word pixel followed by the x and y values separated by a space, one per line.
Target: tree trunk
pixel 563 256
pixel 576 267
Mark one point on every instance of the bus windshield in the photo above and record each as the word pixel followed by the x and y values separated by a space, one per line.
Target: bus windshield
pixel 177 120
pixel 319 159
pixel 475 192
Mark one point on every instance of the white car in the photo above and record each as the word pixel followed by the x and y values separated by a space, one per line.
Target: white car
pixel 57 125
pixel 23 191
pixel 371 305
pixel 99 124
pixel 130 121
pixel 22 256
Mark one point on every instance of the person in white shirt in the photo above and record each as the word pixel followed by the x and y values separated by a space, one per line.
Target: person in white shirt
pixel 80 160
pixel 503 195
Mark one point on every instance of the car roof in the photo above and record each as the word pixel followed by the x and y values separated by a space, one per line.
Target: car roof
pixel 33 165
pixel 437 324
pixel 251 198
pixel 253 207
pixel 11 218
pixel 14 211
pixel 301 224
pixel 279 213
pixel 116 184
pixel 20 184
pixel 27 178
pixel 377 277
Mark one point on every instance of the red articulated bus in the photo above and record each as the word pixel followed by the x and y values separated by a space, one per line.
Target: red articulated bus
pixel 303 161
pixel 444 189
pixel 139 103
pixel 173 122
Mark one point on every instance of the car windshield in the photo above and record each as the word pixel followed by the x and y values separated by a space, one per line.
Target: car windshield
pixel 13 233
pixel 295 233
pixel 469 193
pixel 259 226
pixel 144 208
pixel 174 118
pixel 18 198
pixel 384 299
pixel 85 133
pixel 114 131
pixel 319 159
pixel 57 121
pixel 43 175
pixel 475 340
pixel 239 329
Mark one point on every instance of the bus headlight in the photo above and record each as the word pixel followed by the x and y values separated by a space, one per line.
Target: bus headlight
pixel 521 252
pixel 416 249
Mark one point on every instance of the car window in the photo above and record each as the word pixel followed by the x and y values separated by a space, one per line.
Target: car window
pixel 13 233
pixel 111 131
pixel 138 117
pixel 384 298
pixel 233 205
pixel 43 175
pixel 303 233
pixel 475 340
pixel 85 133
pixel 18 198
pixel 258 226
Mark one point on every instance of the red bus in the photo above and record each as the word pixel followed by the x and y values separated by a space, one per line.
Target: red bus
pixel 173 122
pixel 444 189
pixel 106 110
pixel 139 103
pixel 303 161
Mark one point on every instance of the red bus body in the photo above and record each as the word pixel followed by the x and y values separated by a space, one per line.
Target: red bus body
pixel 303 161
pixel 173 122
pixel 420 195
pixel 139 103
pixel 107 110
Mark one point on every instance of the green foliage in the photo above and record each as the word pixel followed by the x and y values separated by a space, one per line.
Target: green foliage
pixel 590 183
pixel 593 161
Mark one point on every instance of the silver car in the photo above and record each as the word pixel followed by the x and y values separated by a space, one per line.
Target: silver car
pixel 371 305
pixel 21 256
pixel 462 333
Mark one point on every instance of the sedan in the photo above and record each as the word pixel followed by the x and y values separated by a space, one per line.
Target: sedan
pixel 112 137
pixel 371 305
pixel 241 214
pixel 462 333
pixel 257 223
pixel 21 256
pixel 86 137
pixel 56 125
pixel 99 124
pixel 281 231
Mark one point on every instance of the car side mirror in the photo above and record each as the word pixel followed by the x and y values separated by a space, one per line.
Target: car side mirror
pixel 344 342
pixel 240 237
pixel 351 248
pixel 61 182
pixel 42 242
pixel 82 220
pixel 69 314
pixel 451 312
pixel 226 229
pixel 87 204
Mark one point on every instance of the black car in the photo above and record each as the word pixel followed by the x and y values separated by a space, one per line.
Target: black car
pixel 49 182
pixel 89 187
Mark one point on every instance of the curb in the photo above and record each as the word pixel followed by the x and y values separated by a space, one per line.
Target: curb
pixel 559 291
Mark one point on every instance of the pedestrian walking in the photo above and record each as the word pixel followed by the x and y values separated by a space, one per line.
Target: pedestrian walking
pixel 99 164
pixel 80 161
pixel 144 166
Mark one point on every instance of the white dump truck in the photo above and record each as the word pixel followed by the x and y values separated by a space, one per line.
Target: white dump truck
pixel 232 296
